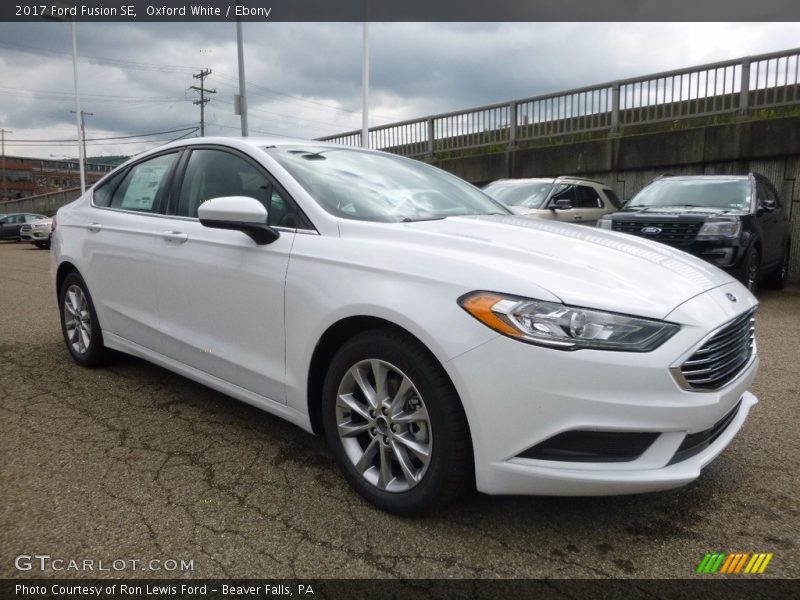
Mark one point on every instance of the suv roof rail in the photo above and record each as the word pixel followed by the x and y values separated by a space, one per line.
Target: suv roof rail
pixel 579 178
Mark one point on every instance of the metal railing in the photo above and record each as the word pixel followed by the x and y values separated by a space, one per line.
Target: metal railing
pixel 770 80
pixel 43 204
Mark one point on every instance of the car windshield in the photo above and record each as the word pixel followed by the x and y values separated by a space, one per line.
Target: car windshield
pixel 729 194
pixel 521 195
pixel 356 184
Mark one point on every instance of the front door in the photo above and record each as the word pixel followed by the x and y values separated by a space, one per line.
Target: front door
pixel 221 296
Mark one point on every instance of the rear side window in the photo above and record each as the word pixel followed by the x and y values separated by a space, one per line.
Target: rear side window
pixel 143 185
pixel 102 193
pixel 588 197
pixel 612 197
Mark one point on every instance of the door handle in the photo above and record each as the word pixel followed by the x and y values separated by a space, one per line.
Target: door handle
pixel 94 227
pixel 177 237
pixel 578 218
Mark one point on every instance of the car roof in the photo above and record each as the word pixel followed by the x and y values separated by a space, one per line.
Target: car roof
pixel 560 178
pixel 256 142
pixel 703 177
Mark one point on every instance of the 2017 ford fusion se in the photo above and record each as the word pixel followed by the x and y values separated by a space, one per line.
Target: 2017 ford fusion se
pixel 436 340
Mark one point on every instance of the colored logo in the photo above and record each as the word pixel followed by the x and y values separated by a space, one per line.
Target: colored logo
pixel 740 562
pixel 730 297
pixel 651 230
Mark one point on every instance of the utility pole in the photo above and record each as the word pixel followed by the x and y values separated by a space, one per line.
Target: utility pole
pixel 83 129
pixel 203 100
pixel 3 133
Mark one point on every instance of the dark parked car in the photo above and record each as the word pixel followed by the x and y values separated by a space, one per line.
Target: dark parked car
pixel 10 224
pixel 736 222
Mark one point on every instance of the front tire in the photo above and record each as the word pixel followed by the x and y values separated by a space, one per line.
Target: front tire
pixel 750 271
pixel 79 323
pixel 395 424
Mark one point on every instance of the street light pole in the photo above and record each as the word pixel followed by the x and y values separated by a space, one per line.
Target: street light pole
pixel 365 84
pixel 242 95
pixel 78 116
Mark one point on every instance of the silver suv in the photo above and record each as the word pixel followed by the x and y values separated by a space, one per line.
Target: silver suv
pixel 569 199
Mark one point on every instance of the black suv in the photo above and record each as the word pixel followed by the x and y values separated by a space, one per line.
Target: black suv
pixel 735 222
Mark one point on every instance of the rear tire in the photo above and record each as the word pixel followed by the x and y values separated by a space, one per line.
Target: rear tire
pixel 778 278
pixel 405 447
pixel 79 324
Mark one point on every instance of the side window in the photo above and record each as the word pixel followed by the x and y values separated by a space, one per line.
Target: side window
pixel 102 194
pixel 564 191
pixel 612 197
pixel 588 197
pixel 215 173
pixel 143 184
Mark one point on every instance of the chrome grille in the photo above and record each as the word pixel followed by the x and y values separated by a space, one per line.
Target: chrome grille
pixel 723 356
pixel 674 233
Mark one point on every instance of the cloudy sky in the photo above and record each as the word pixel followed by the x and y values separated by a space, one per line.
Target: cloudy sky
pixel 304 79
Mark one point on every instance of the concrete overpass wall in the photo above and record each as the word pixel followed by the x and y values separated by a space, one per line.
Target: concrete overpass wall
pixel 628 163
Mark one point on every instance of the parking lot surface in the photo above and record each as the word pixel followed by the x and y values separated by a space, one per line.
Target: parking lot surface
pixel 133 462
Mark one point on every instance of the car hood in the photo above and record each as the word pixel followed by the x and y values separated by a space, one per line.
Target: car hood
pixel 535 258
pixel 699 211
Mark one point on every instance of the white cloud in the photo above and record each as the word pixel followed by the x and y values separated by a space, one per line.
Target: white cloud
pixel 304 79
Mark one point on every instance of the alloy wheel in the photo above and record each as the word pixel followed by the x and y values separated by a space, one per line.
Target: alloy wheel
pixel 77 319
pixel 383 425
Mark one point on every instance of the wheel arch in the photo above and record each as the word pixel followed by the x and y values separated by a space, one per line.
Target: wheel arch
pixel 331 340
pixel 64 269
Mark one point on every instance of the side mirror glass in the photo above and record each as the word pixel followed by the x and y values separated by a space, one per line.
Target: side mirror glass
pixel 769 204
pixel 238 213
pixel 561 204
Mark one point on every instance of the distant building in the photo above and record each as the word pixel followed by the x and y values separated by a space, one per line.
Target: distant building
pixel 33 176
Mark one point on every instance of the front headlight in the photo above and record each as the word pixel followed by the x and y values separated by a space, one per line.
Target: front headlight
pixel 605 223
pixel 565 327
pixel 720 228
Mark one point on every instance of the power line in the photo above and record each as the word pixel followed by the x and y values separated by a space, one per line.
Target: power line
pixel 117 137
pixel 297 98
pixel 159 67
pixel 53 94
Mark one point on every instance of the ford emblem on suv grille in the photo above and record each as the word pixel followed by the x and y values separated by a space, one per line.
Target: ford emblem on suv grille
pixel 651 230
pixel 730 297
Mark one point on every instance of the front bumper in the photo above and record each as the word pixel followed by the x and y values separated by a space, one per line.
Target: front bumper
pixel 517 396
pixel 36 235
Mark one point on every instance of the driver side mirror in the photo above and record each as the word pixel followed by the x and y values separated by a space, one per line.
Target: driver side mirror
pixel 561 204
pixel 769 204
pixel 238 213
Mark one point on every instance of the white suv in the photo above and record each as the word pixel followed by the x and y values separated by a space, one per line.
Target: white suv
pixel 569 199
pixel 434 338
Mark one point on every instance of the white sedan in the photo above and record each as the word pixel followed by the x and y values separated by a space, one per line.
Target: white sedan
pixel 436 340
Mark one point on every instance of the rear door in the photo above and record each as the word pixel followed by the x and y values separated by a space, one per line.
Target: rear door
pixel 10 225
pixel 221 295
pixel 121 244
pixel 589 205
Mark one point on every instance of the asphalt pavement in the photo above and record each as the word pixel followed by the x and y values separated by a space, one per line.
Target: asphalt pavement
pixel 134 463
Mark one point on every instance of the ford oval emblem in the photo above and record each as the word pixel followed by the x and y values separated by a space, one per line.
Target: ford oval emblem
pixel 651 230
pixel 731 297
